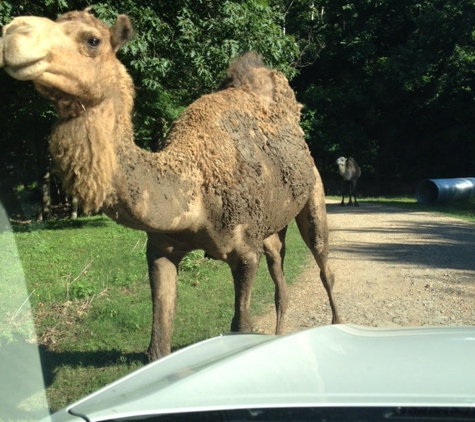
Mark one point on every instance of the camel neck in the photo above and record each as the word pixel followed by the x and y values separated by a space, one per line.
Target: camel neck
pixel 101 165
pixel 84 149
pixel 152 194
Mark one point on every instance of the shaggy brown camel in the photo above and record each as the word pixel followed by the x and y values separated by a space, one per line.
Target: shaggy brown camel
pixel 234 172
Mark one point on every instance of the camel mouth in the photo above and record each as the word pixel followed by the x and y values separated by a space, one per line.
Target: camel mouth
pixel 20 66
pixel 26 71
pixel 20 55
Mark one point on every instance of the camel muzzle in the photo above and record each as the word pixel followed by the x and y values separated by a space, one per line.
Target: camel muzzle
pixel 21 49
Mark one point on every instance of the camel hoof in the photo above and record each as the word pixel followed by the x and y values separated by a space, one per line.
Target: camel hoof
pixel 153 355
pixel 337 320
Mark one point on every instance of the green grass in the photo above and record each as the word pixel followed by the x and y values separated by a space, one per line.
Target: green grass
pixel 90 297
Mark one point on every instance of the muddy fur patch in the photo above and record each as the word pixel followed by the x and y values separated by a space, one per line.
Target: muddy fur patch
pixel 251 153
pixel 266 181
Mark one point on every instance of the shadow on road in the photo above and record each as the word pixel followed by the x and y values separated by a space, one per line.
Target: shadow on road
pixel 394 234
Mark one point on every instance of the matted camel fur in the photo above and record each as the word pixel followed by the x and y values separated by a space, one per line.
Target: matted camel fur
pixel 234 171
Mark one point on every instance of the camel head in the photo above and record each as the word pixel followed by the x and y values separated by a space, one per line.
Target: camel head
pixel 71 59
pixel 341 163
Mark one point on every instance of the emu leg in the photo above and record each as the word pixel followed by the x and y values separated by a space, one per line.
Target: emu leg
pixel 274 249
pixel 244 271
pixel 312 224
pixel 163 275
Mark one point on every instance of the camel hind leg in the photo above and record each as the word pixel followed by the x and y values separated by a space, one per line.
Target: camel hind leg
pixel 312 224
pixel 274 251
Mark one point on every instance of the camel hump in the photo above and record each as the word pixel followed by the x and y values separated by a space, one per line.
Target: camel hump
pixel 249 73
pixel 355 166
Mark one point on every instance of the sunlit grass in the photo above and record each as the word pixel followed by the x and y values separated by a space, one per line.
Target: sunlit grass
pixel 90 297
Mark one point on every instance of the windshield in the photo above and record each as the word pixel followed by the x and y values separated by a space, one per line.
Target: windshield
pixel 22 386
pixel 172 173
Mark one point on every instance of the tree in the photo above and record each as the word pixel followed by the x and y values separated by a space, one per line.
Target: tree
pixel 393 86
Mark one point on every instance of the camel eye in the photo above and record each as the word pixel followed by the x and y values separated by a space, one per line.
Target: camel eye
pixel 94 42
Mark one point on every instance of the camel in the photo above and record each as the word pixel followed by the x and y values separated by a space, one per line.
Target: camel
pixel 234 170
pixel 350 171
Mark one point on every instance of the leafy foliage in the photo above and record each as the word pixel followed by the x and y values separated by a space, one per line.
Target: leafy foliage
pixel 390 83
pixel 393 88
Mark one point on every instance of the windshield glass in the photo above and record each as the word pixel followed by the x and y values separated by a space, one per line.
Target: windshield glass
pixel 298 174
pixel 22 387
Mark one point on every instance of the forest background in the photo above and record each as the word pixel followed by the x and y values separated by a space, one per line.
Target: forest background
pixel 391 83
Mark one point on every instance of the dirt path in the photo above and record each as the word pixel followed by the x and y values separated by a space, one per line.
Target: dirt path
pixel 393 267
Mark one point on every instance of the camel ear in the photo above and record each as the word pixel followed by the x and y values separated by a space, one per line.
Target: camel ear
pixel 121 32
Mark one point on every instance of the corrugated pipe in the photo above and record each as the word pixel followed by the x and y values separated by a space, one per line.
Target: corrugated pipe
pixel 430 191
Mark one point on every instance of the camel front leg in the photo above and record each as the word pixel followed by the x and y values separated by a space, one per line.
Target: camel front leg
pixel 353 190
pixel 343 191
pixel 163 276
pixel 350 192
pixel 244 271
pixel 274 249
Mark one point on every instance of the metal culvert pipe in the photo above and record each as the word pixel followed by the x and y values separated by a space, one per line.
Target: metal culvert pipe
pixel 431 191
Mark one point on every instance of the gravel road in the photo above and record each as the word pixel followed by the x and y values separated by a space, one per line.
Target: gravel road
pixel 393 267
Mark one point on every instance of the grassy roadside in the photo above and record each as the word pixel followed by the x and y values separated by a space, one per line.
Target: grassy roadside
pixel 88 288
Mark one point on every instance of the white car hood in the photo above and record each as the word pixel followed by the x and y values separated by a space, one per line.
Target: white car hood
pixel 339 365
